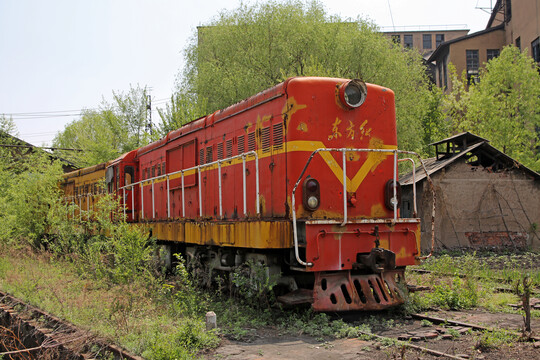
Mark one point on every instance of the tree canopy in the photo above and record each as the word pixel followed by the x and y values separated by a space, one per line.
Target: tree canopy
pixel 251 48
pixel 503 106
pixel 107 132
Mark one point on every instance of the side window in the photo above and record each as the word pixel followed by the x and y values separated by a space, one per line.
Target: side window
pixel 153 171
pixel 163 168
pixel 129 172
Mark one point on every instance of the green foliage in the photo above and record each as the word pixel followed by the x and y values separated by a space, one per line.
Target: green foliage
pixel 454 284
pixel 181 294
pixel 182 109
pixel 253 285
pixel 28 191
pixel 489 340
pixel 503 106
pixel 435 126
pixel 251 48
pixel 114 249
pixel 184 343
pixel 106 133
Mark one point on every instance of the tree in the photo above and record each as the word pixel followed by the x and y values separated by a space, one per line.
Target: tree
pixel 109 131
pixel 251 48
pixel 182 109
pixel 504 106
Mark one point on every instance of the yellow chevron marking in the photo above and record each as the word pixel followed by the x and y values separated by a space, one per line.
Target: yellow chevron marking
pixel 373 159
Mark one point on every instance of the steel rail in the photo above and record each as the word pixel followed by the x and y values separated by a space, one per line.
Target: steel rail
pixel 56 322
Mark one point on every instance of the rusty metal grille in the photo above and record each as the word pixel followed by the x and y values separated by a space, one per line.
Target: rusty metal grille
pixel 201 156
pixel 220 151
pixel 265 139
pixel 209 154
pixel 241 145
pixel 251 141
pixel 228 147
pixel 277 132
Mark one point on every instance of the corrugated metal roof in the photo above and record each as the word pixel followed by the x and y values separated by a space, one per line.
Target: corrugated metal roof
pixel 433 165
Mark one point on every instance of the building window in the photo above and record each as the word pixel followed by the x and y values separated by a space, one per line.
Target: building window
pixel 407 41
pixel 396 39
pixel 426 41
pixel 518 43
pixel 535 49
pixel 492 53
pixel 439 39
pixel 508 12
pixel 472 65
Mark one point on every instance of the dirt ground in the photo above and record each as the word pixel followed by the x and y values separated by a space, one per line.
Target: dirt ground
pixel 268 344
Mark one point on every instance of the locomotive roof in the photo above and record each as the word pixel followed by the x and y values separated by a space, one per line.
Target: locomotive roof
pixel 235 109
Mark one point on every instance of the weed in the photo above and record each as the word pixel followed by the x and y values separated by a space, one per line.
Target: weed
pixel 455 334
pixel 253 285
pixel 426 323
pixel 489 340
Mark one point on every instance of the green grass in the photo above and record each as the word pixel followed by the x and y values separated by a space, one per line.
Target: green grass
pixel 135 315
pixel 469 280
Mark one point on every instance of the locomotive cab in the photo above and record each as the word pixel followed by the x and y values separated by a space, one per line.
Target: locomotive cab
pixel 344 196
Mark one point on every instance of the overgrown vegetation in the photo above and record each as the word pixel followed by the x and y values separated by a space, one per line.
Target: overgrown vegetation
pixel 469 280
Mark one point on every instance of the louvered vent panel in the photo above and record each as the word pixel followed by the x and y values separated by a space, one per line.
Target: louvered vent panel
pixel 201 156
pixel 220 151
pixel 228 147
pixel 277 132
pixel 241 144
pixel 209 155
pixel 265 139
pixel 251 141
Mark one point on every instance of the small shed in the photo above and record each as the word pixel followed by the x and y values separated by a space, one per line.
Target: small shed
pixel 19 148
pixel 484 198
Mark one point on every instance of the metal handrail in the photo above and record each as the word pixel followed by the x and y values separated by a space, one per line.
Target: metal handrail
pixel 395 152
pixel 182 172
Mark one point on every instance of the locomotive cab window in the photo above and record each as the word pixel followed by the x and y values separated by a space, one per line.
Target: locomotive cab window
pixel 109 177
pixel 128 175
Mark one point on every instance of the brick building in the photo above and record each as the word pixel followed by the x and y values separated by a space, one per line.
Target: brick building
pixel 484 198
pixel 511 22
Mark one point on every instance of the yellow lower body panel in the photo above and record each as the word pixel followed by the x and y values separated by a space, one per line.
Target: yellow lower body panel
pixel 247 234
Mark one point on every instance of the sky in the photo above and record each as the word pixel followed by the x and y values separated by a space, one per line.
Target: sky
pixel 58 57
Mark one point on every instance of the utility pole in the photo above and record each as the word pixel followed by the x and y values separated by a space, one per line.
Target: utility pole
pixel 149 129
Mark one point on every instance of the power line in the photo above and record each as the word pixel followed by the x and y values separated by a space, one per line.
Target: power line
pixel 39 147
pixel 63 113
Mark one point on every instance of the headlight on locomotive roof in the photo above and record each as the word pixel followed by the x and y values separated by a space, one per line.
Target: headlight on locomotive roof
pixel 353 93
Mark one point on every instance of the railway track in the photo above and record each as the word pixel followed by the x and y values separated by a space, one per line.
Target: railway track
pixel 450 329
pixel 31 333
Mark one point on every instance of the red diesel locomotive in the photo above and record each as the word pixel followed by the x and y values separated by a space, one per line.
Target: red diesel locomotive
pixel 301 177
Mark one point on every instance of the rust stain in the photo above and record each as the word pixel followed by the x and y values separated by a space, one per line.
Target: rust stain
pixel 377 211
pixel 302 127
pixel 353 156
pixel 290 108
pixel 376 158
